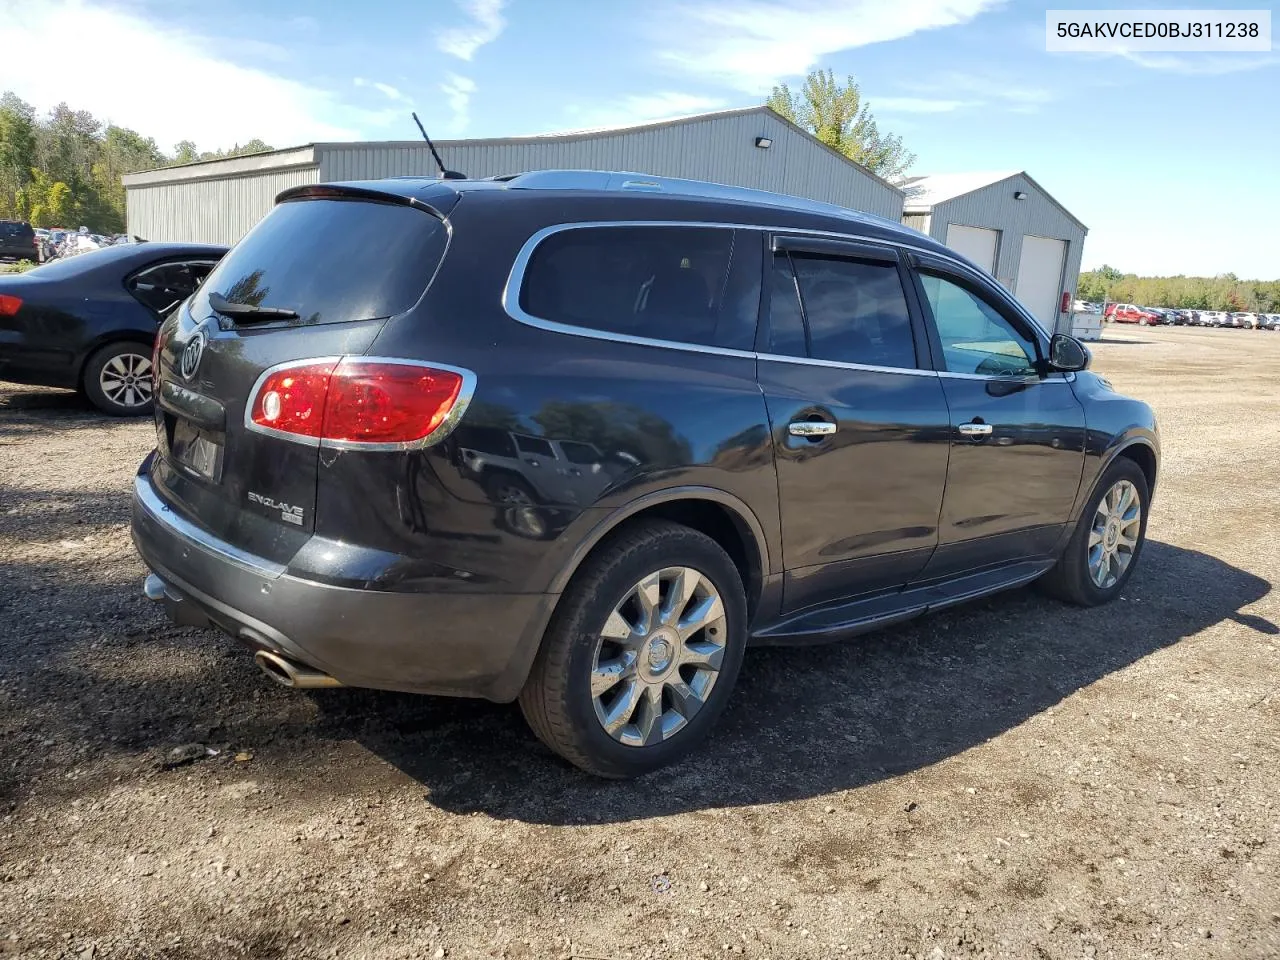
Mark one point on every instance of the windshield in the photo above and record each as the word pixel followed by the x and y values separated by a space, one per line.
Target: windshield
pixel 331 260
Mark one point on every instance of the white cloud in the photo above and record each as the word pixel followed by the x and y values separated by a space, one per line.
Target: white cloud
pixel 1198 64
pixel 390 92
pixel 974 90
pixel 458 90
pixel 154 95
pixel 751 45
pixel 917 105
pixel 640 108
pixel 487 23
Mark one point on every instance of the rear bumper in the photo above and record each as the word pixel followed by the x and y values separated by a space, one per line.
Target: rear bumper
pixel 455 644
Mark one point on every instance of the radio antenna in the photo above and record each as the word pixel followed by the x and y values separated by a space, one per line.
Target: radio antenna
pixel 445 174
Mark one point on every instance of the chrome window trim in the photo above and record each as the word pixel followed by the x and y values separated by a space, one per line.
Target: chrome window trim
pixel 843 365
pixel 515 280
pixel 163 514
pixel 442 430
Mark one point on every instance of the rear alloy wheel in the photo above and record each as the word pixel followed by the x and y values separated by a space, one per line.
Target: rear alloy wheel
pixel 1104 548
pixel 642 653
pixel 117 379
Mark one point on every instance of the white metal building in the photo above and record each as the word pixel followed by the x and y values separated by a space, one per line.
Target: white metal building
pixel 1010 226
pixel 217 201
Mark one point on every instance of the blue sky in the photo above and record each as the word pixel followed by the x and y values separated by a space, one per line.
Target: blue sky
pixel 1169 159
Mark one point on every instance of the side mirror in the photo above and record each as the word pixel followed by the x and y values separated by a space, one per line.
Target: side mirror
pixel 1067 354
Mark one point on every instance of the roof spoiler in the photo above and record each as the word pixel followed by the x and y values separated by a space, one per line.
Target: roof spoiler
pixel 342 191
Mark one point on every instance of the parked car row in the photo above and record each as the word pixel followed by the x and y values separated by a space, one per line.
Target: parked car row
pixel 1153 316
pixel 21 241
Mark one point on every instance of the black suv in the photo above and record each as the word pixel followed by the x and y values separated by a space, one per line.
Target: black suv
pixel 18 241
pixel 578 438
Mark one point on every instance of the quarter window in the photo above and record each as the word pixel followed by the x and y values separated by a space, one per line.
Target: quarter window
pixel 663 283
pixel 975 337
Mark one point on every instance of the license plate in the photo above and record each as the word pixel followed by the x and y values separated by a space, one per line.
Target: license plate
pixel 198 451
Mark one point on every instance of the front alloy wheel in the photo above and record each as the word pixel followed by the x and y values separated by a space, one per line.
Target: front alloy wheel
pixel 1104 547
pixel 1114 537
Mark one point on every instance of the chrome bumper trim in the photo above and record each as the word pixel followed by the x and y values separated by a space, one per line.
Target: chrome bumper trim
pixel 162 514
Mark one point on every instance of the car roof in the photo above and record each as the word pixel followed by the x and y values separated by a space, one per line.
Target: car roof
pixel 731 204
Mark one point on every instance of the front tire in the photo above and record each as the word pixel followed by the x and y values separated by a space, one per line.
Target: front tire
pixel 1104 548
pixel 642 653
pixel 117 379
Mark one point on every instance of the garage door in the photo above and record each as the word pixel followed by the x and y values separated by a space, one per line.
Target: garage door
pixel 976 243
pixel 1039 283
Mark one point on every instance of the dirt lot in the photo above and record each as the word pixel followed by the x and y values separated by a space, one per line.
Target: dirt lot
pixel 1014 778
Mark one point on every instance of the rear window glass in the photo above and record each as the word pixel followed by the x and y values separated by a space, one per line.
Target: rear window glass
pixel 663 283
pixel 332 260
pixel 11 230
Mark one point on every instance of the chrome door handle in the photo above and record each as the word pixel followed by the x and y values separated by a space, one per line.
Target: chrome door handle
pixel 975 430
pixel 811 428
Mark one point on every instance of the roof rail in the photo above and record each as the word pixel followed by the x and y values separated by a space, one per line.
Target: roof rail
pixel 674 186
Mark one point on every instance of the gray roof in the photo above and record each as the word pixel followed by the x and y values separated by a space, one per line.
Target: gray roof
pixel 308 154
pixel 926 192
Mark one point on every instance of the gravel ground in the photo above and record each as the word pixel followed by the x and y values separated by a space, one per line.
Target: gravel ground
pixel 1012 778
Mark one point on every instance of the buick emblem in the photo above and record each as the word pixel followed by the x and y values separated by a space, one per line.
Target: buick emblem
pixel 191 354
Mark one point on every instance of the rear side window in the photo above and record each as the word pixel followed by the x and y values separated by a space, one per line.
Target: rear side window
pixel 534 445
pixel 663 283
pixel 166 285
pixel 855 310
pixel 332 260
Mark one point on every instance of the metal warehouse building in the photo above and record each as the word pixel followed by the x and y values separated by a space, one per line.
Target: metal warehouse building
pixel 217 201
pixel 1009 225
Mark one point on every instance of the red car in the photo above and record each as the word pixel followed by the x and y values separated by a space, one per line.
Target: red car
pixel 1128 313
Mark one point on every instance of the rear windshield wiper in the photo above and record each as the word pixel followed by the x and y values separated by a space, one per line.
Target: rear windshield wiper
pixel 223 305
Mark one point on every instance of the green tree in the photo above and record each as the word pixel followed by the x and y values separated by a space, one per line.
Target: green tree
pixel 837 115
pixel 17 155
pixel 50 201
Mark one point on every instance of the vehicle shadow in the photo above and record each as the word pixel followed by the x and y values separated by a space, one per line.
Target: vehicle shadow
pixel 804 722
pixel 88 667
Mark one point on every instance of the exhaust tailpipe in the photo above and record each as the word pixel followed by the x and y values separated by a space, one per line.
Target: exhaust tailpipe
pixel 290 674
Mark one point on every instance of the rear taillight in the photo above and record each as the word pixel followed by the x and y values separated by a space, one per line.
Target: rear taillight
pixel 9 304
pixel 362 404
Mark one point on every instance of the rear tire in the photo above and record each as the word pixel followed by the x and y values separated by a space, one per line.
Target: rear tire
pixel 1074 578
pixel 591 697
pixel 117 379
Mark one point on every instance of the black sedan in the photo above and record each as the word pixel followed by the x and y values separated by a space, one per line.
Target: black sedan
pixel 89 322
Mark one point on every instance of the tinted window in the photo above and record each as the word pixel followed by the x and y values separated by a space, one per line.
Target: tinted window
pixel 976 338
pixel 332 260
pixel 856 311
pixel 488 440
pixel 581 453
pixel 785 334
pixel 534 445
pixel 9 230
pixel 666 283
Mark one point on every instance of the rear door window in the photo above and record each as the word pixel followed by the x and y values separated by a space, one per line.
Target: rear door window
pixel 663 283
pixel 332 260
pixel 164 286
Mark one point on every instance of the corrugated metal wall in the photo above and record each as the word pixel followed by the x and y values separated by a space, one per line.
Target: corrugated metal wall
pixel 208 211
pixel 916 221
pixel 994 207
pixel 719 149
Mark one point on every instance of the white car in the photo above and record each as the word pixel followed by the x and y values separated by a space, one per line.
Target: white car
pixel 1214 318
pixel 1247 320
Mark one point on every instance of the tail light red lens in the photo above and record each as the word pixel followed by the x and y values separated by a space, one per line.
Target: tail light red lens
pixel 9 304
pixel 369 404
pixel 291 400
